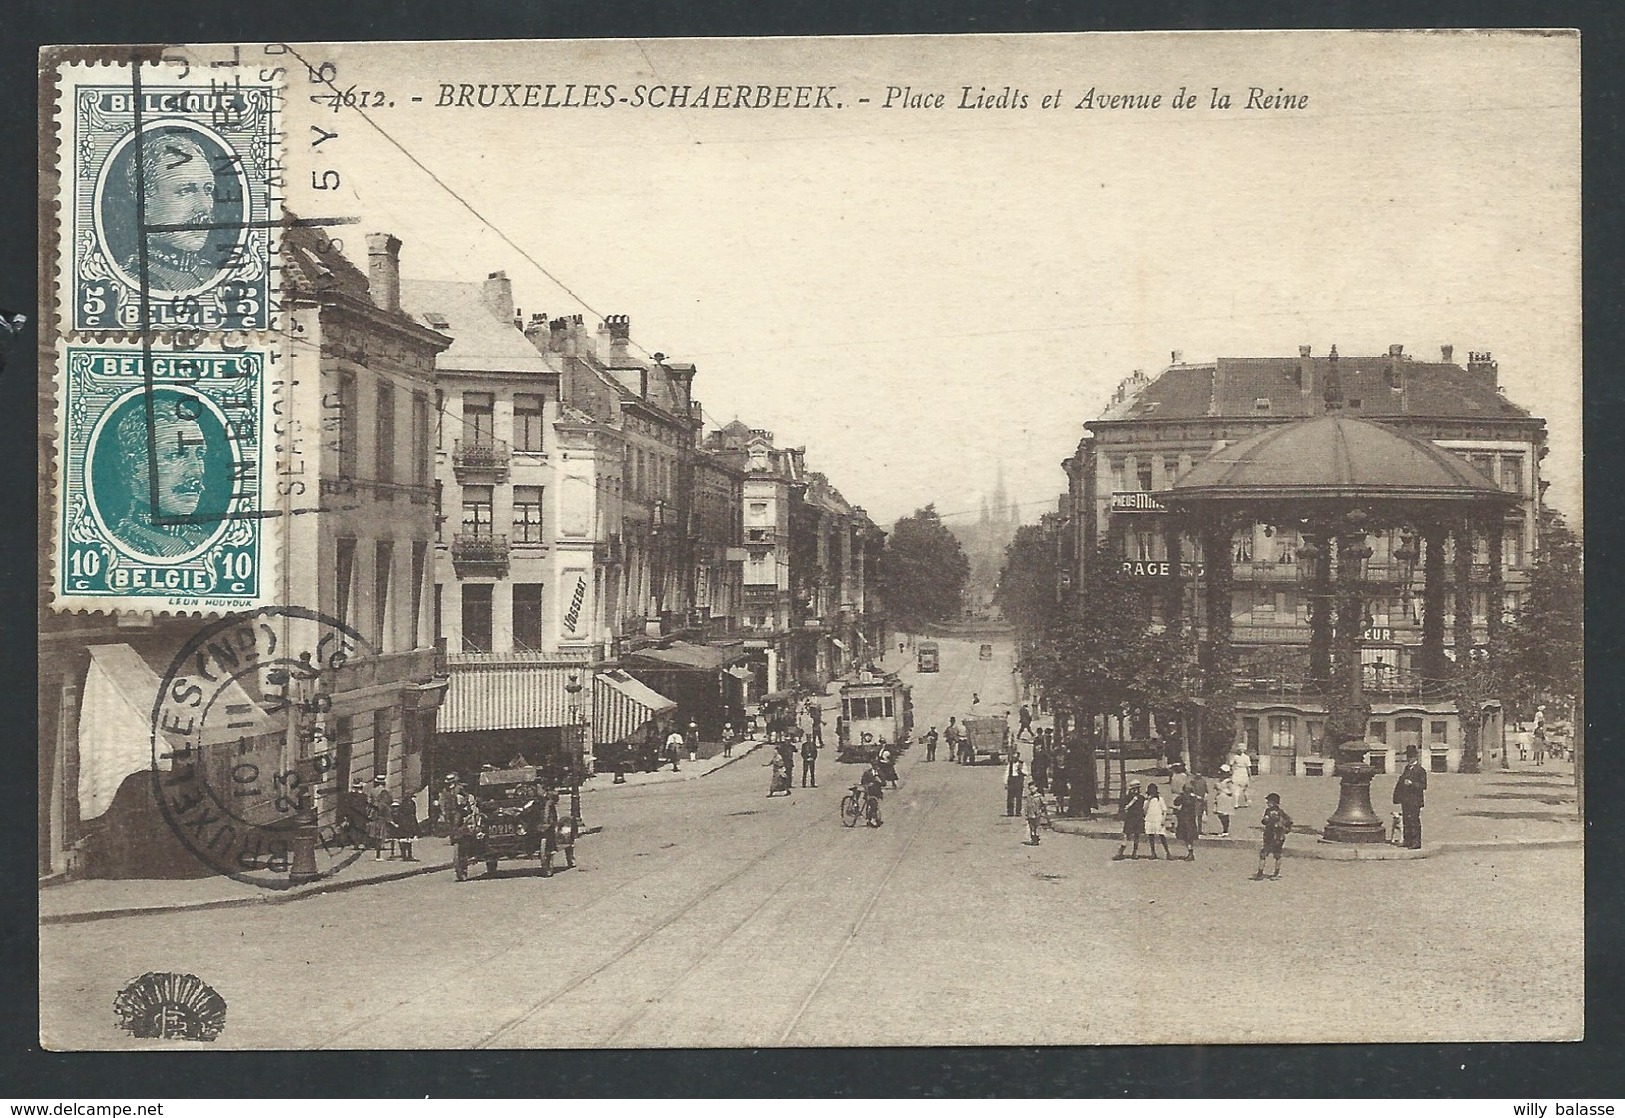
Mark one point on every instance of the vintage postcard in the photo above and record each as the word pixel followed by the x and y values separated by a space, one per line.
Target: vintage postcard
pixel 983 540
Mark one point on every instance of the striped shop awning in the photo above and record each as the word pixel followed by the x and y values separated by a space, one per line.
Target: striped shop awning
pixel 502 692
pixel 621 706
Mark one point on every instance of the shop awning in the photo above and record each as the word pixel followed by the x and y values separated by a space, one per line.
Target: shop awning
pixel 115 722
pixel 685 656
pixel 501 693
pixel 621 706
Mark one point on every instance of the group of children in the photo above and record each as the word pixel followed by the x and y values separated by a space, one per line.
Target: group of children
pixel 1148 815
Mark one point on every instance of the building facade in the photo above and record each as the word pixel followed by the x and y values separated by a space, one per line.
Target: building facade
pixel 1157 428
pixel 355 472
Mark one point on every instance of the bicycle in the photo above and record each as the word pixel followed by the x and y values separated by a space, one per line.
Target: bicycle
pixel 854 806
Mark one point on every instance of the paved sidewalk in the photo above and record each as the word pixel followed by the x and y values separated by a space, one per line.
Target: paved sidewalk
pixel 688 770
pixel 1527 806
pixel 101 899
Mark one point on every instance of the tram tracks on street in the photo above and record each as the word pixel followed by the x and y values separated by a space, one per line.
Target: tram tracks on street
pixel 474 965
pixel 536 1008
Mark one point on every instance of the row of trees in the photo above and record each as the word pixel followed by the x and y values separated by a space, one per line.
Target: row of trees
pixel 1104 656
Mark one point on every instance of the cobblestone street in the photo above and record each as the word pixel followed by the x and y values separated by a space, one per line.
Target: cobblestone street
pixel 706 914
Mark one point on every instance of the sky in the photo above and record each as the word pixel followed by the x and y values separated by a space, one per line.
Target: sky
pixel 918 295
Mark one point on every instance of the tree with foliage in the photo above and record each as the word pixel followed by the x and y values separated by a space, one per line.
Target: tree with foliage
pixel 922 571
pixel 1545 644
pixel 1091 661
pixel 1027 587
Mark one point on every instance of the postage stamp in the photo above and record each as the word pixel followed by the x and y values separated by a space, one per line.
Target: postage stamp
pixel 241 764
pixel 169 199
pixel 164 458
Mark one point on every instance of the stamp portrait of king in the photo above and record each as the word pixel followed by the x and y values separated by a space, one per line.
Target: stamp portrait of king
pixel 172 212
pixel 161 481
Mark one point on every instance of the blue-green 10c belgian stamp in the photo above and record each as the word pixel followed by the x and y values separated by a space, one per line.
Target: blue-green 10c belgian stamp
pixel 164 468
pixel 174 200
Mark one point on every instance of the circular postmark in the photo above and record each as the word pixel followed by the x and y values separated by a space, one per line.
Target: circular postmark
pixel 159 473
pixel 239 745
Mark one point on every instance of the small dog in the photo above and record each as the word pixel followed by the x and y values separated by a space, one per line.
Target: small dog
pixel 1396 829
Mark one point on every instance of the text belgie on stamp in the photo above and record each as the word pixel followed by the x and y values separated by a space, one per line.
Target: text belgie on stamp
pixel 169 204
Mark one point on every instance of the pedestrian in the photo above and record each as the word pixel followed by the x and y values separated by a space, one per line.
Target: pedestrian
pixel 809 762
pixel 1187 820
pixel 886 762
pixel 354 810
pixel 404 826
pixel 1276 825
pixel 1015 779
pixel 951 735
pixel 1035 811
pixel 1156 821
pixel 1225 805
pixel 1241 774
pixel 931 744
pixel 1041 765
pixel 674 747
pixel 1198 788
pixel 1408 794
pixel 727 739
pixel 1026 717
pixel 378 805
pixel 1133 821
pixel 1540 743
pixel 816 713
pixel 781 775
pixel 692 740
pixel 787 753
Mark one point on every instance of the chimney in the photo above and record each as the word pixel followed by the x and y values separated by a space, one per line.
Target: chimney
pixel 384 270
pixel 558 336
pixel 619 327
pixel 1396 351
pixel 581 341
pixel 1305 350
pixel 1447 354
pixel 1177 357
pixel 536 332
pixel 497 292
pixel 1482 364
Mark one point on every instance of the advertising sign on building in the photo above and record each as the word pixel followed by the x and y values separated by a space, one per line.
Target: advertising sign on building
pixel 1152 568
pixel 1136 502
pixel 575 612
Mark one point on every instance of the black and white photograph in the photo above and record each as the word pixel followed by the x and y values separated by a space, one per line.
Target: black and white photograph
pixel 780 543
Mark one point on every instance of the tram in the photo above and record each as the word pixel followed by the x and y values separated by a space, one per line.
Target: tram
pixel 875 711
pixel 926 657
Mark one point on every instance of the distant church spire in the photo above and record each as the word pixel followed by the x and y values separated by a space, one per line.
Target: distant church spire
pixel 1000 503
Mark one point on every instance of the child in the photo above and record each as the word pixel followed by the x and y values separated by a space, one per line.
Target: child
pixel 1225 805
pixel 1156 812
pixel 404 824
pixel 1033 808
pixel 1133 822
pixel 1187 819
pixel 1276 825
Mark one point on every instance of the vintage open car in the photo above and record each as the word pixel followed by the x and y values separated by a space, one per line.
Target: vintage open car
pixel 515 814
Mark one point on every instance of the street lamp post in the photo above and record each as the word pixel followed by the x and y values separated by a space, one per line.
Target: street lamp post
pixel 578 725
pixel 302 701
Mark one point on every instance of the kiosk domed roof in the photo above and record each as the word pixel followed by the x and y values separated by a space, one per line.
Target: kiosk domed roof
pixel 1334 456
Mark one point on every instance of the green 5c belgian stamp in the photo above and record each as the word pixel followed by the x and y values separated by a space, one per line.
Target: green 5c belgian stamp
pixel 164 465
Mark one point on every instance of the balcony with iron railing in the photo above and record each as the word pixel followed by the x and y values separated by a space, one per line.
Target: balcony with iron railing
pixel 480 458
pixel 479 554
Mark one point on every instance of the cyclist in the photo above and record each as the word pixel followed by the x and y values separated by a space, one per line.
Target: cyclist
pixel 874 790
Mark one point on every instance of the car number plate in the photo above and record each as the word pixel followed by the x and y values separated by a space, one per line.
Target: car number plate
pixel 500 829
